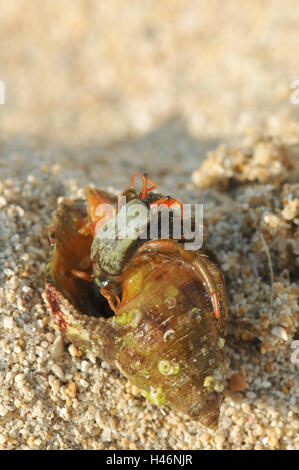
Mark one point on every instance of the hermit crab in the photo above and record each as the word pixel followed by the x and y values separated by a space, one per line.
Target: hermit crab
pixel 148 306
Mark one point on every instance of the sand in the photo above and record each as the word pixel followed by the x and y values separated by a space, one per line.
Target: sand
pixel 198 96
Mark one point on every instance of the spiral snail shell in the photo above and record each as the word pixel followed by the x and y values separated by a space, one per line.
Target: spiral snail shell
pixel 149 307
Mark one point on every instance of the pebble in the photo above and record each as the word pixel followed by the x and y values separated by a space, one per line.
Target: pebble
pixel 57 370
pixel 19 378
pixel 57 348
pixel 3 202
pixel 74 351
pixel 8 323
pixel 226 422
pixel 237 383
pixel 85 365
pixel 280 333
pixel 3 410
pixel 266 384
pixel 71 389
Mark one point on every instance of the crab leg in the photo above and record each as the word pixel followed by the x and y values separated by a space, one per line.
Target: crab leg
pixel 109 297
pixel 168 201
pixel 208 281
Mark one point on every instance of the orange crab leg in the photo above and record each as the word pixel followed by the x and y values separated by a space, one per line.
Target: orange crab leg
pixel 171 246
pixel 215 302
pixel 208 281
pixel 168 201
pixel 105 293
pixel 145 188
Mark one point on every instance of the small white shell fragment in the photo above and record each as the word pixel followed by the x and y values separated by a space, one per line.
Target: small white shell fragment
pixel 8 323
pixel 105 365
pixel 91 357
pixel 56 369
pixel 57 348
pixel 280 332
pixel 29 328
pixel 3 410
pixel 75 352
pixel 85 366
pixel 19 378
pixel 226 422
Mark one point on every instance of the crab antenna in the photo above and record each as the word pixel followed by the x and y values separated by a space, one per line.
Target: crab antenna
pixel 145 188
pixel 134 176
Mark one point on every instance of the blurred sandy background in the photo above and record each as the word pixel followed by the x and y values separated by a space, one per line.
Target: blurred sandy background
pixel 89 74
pixel 95 91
